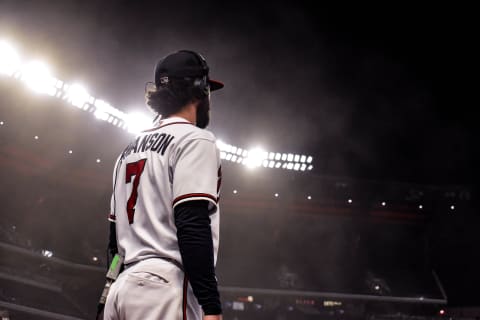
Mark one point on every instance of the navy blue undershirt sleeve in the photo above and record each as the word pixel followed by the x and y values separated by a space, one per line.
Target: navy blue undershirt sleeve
pixel 196 248
pixel 112 239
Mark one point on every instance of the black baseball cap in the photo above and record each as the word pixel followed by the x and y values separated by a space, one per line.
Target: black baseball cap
pixel 184 64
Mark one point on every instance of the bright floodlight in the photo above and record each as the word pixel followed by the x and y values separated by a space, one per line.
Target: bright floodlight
pixel 99 114
pixel 221 145
pixel 37 77
pixel 255 157
pixel 77 95
pixel 102 109
pixel 137 122
pixel 9 59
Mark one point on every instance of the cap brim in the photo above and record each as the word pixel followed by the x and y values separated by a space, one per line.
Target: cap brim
pixel 215 85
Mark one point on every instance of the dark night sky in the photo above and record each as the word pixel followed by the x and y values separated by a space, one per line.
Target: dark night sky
pixel 385 98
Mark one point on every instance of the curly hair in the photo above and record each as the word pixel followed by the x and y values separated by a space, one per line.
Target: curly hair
pixel 169 99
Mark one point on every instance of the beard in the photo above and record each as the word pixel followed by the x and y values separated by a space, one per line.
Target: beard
pixel 203 113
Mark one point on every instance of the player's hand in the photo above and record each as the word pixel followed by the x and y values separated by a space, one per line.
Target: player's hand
pixel 210 317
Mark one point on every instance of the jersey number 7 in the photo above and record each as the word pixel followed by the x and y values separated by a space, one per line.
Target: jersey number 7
pixel 133 169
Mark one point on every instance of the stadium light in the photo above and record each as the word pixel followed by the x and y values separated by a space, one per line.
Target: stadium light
pixel 37 76
pixel 9 59
pixel 102 110
pixel 137 122
pixel 77 95
pixel 221 145
pixel 255 158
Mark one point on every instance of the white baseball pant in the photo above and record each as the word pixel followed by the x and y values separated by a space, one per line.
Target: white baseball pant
pixel 152 289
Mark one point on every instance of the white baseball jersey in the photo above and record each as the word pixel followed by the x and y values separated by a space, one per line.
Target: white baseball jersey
pixel 163 167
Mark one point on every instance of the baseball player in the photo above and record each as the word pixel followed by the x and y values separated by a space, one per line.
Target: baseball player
pixel 164 208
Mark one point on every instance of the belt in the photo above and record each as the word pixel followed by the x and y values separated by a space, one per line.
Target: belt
pixel 173 261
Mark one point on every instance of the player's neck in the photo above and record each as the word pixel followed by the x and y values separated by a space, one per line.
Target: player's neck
pixel 189 113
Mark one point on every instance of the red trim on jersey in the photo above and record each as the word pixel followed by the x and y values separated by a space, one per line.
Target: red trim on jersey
pixel 195 195
pixel 184 303
pixel 167 124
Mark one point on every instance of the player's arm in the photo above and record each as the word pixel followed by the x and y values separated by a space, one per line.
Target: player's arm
pixel 195 190
pixel 112 240
pixel 196 247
